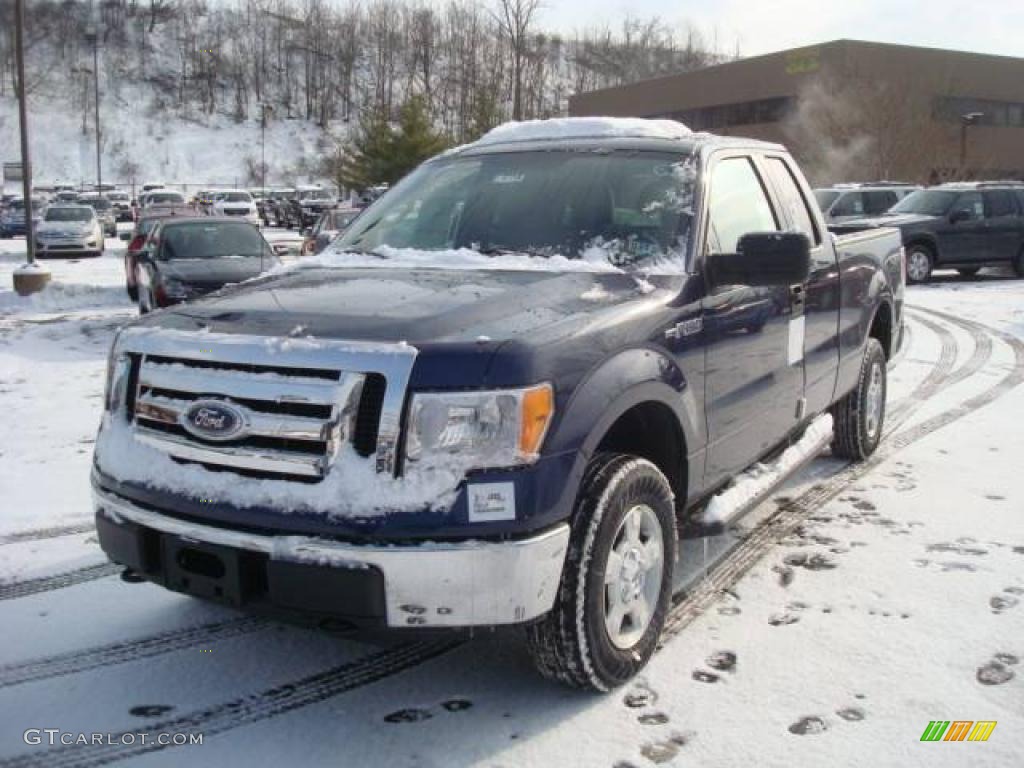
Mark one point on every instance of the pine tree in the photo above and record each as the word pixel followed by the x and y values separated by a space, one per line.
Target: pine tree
pixel 379 154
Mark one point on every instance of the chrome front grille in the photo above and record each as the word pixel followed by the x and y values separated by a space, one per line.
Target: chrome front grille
pixel 300 402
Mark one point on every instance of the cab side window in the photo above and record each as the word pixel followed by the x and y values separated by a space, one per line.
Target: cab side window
pixel 998 203
pixel 738 204
pixel 879 201
pixel 791 198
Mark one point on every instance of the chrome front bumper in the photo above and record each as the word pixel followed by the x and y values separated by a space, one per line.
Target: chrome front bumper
pixel 433 584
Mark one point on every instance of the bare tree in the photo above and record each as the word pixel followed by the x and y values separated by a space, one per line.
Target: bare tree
pixel 516 20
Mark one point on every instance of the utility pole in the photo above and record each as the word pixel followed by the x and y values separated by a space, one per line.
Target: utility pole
pixel 31 277
pixel 264 109
pixel 966 120
pixel 92 35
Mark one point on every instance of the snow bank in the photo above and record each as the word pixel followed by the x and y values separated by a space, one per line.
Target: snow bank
pixel 352 488
pixel 760 478
pixel 60 297
pixel 584 127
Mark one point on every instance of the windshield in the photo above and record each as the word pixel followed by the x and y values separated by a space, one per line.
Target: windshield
pixel 928 202
pixel 621 208
pixel 236 197
pixel 165 197
pixel 825 197
pixel 198 240
pixel 68 214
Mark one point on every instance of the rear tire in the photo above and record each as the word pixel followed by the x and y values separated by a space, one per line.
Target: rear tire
pixel 859 416
pixel 920 262
pixel 614 594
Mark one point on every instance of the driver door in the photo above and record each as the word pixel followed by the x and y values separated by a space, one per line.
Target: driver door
pixel 754 352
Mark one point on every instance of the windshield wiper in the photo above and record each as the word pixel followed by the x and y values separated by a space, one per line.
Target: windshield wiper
pixel 495 250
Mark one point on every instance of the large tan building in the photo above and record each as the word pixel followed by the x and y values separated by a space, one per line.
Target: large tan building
pixel 850 110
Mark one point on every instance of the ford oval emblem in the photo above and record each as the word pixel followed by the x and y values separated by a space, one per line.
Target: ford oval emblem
pixel 213 420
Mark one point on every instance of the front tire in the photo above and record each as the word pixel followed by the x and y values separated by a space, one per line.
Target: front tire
pixel 920 262
pixel 617 579
pixel 859 416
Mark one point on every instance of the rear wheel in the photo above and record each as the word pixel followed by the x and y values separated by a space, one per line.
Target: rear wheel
pixel 858 417
pixel 617 579
pixel 920 261
pixel 968 271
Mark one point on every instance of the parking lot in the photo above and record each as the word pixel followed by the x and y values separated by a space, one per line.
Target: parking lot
pixel 851 608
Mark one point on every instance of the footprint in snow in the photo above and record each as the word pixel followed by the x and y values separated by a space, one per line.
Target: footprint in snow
pixel 408 716
pixel 808 726
pixel 864 506
pixel 659 751
pixel 1006 658
pixel 702 676
pixel 786 575
pixel 150 710
pixel 783 619
pixel 1015 590
pixel 723 661
pixel 815 562
pixel 958 548
pixel 653 718
pixel 728 610
pixel 457 705
pixel 1002 603
pixel 851 714
pixel 642 695
pixel 994 673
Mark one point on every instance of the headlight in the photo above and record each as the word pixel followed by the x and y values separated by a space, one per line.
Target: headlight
pixel 118 366
pixel 472 430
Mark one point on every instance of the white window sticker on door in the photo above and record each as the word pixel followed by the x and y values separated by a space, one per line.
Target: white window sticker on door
pixel 796 340
pixel 492 501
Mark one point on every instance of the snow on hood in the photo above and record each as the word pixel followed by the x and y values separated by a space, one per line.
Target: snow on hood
pixel 584 127
pixel 596 258
pixel 351 489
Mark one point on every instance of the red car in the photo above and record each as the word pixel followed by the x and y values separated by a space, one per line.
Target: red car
pixel 143 226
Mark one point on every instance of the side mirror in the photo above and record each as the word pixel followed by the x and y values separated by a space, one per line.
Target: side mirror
pixel 126 236
pixel 762 259
pixel 961 214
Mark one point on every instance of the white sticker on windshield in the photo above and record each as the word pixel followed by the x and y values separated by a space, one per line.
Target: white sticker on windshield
pixel 796 340
pixel 509 178
pixel 492 501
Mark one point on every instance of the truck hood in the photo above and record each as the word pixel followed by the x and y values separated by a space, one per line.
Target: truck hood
pixel 420 305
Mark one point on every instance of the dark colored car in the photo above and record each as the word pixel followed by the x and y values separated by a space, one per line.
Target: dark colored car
pixel 137 238
pixel 964 226
pixel 186 258
pixel 12 220
pixel 328 226
pixel 305 207
pixel 541 357
pixel 276 207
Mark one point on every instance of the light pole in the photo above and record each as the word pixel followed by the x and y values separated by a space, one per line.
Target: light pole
pixel 264 109
pixel 30 277
pixel 92 35
pixel 971 118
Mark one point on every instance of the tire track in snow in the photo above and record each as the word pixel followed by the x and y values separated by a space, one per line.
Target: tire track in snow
pixel 243 710
pixel 41 534
pixel 28 587
pixel 100 656
pixel 748 552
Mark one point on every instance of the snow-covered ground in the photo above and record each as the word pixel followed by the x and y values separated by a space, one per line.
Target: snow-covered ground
pixel 850 609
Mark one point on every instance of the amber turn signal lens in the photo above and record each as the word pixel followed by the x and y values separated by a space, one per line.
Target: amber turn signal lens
pixel 538 407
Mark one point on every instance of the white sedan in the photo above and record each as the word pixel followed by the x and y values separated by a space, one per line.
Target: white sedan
pixel 235 203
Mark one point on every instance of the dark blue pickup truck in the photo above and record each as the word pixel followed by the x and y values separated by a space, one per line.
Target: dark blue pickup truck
pixel 502 392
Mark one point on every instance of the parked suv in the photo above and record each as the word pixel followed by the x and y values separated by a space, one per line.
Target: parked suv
pixel 855 201
pixel 307 205
pixel 964 226
pixel 502 393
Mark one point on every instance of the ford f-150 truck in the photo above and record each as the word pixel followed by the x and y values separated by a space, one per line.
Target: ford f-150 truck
pixel 501 394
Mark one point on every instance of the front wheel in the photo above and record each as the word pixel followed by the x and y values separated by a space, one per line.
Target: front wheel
pixel 858 417
pixel 919 264
pixel 617 579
